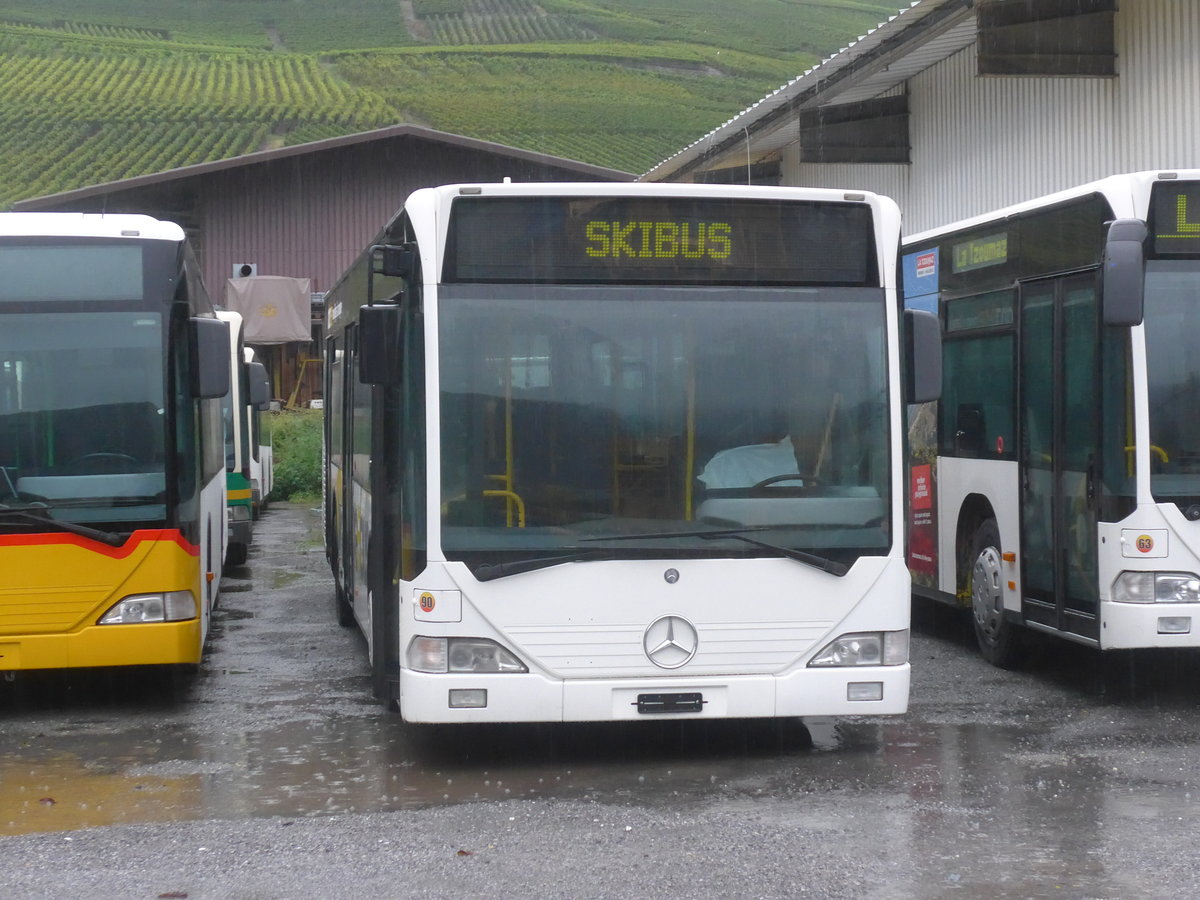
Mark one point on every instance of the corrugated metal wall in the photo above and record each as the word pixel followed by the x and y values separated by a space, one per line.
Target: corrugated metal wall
pixel 983 142
pixel 310 215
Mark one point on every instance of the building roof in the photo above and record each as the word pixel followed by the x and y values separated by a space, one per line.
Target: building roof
pixel 917 37
pixel 585 170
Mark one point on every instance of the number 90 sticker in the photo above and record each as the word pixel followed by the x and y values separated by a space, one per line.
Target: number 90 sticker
pixel 437 606
pixel 1151 543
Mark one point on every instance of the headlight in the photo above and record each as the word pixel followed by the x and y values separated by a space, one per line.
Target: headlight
pixel 441 655
pixel 239 513
pixel 868 648
pixel 1156 587
pixel 173 606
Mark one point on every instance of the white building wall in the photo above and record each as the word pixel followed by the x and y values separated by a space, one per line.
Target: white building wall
pixel 979 143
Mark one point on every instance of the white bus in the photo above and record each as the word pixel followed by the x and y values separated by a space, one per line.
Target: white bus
pixel 241 409
pixel 262 449
pixel 1056 485
pixel 528 510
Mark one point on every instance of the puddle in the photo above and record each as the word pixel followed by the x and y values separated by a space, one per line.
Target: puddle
pixel 319 764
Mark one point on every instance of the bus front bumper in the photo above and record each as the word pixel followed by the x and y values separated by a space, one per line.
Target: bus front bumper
pixel 535 698
pixel 149 644
pixel 1126 626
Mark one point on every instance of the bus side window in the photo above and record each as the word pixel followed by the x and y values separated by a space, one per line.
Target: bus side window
pixel 979 377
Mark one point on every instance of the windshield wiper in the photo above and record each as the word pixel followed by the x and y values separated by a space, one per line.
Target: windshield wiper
pixel 27 513
pixel 8 480
pixel 492 571
pixel 833 567
pixel 820 562
pixel 97 502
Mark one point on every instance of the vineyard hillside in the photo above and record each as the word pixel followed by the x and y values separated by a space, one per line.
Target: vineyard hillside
pixel 116 88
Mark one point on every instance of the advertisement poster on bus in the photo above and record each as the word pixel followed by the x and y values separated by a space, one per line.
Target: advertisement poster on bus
pixel 921 272
pixel 922 496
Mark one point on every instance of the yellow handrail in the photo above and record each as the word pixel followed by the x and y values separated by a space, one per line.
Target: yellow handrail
pixel 511 497
pixel 1154 448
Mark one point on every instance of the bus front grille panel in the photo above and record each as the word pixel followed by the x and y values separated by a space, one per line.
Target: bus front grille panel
pixel 617 650
pixel 48 609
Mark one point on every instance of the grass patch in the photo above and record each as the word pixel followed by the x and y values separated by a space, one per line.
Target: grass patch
pixel 296 436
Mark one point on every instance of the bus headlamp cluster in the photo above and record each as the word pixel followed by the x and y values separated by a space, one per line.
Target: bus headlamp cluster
pixel 475 655
pixel 1156 587
pixel 868 648
pixel 173 606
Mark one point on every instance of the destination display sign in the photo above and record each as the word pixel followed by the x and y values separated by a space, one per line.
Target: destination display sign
pixel 659 240
pixel 77 270
pixel 1175 218
pixel 991 250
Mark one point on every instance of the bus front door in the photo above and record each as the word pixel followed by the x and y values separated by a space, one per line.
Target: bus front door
pixel 1060 402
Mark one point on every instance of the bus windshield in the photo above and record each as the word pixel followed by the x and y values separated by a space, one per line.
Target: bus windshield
pixel 662 422
pixel 81 415
pixel 1173 372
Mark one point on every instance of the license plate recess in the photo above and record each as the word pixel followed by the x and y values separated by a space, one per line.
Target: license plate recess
pixel 662 704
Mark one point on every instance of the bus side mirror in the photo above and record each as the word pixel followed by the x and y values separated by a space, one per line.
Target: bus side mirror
pixel 380 348
pixel 260 386
pixel 922 356
pixel 394 261
pixel 208 357
pixel 1124 272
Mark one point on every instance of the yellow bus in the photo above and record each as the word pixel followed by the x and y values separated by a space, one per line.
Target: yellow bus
pixel 112 473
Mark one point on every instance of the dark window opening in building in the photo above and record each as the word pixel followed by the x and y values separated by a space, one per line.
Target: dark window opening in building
pixel 873 131
pixel 760 173
pixel 1046 37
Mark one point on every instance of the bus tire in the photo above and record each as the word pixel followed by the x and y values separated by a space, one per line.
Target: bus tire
pixel 236 554
pixel 345 612
pixel 997 637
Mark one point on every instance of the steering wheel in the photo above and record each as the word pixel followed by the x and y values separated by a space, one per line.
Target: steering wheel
pixel 104 463
pixel 808 480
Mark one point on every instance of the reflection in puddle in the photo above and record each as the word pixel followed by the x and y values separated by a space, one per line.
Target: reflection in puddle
pixel 64 793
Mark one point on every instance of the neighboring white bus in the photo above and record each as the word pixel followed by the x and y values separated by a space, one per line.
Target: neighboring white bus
pixel 262 449
pixel 241 409
pixel 236 415
pixel 614 451
pixel 1057 483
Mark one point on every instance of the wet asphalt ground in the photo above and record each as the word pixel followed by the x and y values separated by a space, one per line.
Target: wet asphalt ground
pixel 273 774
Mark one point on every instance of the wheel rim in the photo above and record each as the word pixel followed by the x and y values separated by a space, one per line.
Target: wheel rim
pixel 986 599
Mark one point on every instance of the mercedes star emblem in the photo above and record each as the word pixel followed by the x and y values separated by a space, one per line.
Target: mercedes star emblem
pixel 670 642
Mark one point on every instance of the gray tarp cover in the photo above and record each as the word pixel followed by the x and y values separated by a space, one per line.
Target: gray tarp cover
pixel 275 308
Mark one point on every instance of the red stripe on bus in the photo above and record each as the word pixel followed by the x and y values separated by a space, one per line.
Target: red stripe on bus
pixel 136 539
